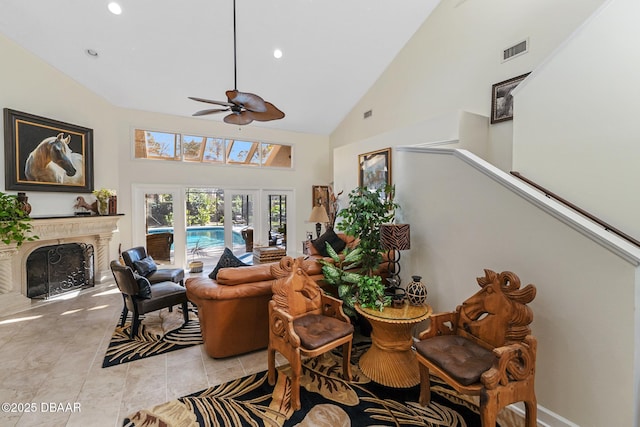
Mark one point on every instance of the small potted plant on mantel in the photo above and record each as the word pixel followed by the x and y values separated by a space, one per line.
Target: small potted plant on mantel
pixel 15 225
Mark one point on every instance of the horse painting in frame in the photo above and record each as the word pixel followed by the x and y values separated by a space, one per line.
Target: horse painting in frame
pixel 42 154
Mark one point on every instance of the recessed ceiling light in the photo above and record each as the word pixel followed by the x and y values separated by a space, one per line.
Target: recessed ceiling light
pixel 92 53
pixel 114 8
pixel 277 54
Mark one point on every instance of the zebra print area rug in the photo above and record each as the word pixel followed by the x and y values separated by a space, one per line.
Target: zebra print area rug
pixel 327 401
pixel 160 332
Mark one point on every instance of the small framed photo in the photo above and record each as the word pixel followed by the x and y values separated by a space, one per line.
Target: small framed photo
pixel 320 195
pixel 502 99
pixel 43 154
pixel 374 169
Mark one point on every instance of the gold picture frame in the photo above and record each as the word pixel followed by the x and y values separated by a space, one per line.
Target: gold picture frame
pixel 374 169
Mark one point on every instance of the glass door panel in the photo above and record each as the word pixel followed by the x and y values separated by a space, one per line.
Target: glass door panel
pixel 204 226
pixel 241 231
pixel 159 226
pixel 277 214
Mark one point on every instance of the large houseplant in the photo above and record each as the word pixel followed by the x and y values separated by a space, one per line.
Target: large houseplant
pixel 341 273
pixel 15 226
pixel 367 211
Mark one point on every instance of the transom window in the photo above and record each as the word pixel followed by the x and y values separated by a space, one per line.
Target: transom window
pixel 205 149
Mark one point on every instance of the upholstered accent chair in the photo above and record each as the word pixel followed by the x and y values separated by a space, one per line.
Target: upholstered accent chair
pixel 139 298
pixel 304 322
pixel 142 263
pixel 485 348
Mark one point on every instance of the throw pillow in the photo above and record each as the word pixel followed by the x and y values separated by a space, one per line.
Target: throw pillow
pixel 228 259
pixel 145 266
pixel 144 286
pixel 330 237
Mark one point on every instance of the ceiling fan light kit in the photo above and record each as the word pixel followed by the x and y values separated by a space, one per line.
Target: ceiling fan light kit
pixel 245 107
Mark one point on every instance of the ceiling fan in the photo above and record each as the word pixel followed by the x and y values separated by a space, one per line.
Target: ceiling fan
pixel 245 107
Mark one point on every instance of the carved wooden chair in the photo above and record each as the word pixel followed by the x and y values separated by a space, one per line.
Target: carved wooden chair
pixel 484 348
pixel 304 322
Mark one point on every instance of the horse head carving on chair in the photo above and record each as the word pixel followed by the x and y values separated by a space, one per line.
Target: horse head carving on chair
pixel 500 294
pixel 53 161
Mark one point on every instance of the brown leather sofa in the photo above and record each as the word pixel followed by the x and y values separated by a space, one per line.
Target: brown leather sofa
pixel 233 309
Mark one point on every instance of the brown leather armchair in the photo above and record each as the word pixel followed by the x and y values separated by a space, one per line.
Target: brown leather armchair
pixel 133 256
pixel 140 300
pixel 484 348
pixel 303 321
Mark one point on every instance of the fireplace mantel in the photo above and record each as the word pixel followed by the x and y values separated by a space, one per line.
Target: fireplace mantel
pixel 52 230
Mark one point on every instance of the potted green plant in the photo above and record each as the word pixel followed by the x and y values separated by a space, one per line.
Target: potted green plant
pixel 371 293
pixel 341 274
pixel 103 195
pixel 367 211
pixel 196 266
pixel 15 225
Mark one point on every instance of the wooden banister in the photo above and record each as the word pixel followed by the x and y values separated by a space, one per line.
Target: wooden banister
pixel 582 212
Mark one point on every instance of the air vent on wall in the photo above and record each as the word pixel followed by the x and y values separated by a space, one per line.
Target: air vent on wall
pixel 368 114
pixel 515 50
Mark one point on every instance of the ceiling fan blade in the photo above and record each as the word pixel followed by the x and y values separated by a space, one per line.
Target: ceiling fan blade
pixel 247 100
pixel 243 118
pixel 272 113
pixel 211 101
pixel 210 111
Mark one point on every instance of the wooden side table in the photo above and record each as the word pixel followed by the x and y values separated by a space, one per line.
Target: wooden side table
pixel 390 361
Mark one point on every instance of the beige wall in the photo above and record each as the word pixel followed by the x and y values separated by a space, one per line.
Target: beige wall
pixel 461 223
pixel 578 132
pixel 454 58
pixel 30 85
pixel 463 220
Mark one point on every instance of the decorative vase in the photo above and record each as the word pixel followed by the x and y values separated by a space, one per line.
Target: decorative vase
pixel 103 206
pixel 23 200
pixel 416 291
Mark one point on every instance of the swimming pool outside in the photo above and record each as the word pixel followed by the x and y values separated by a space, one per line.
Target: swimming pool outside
pixel 204 237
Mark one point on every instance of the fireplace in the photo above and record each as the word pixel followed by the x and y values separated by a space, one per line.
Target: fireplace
pixel 92 231
pixel 57 269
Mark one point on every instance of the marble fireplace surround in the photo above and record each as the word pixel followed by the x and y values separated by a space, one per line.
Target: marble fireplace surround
pixel 94 230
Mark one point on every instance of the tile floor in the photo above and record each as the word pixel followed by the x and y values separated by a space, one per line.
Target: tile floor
pixel 53 353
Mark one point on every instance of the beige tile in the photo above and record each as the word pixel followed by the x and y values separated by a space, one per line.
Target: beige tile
pixel 58 358
pixel 47 416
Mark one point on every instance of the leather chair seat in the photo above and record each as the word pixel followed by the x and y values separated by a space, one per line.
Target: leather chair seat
pixel 164 294
pixel 461 358
pixel 316 330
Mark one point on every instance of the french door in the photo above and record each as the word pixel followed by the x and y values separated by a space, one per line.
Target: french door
pixel 204 221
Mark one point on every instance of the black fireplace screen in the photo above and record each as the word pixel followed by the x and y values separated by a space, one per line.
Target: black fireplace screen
pixel 54 270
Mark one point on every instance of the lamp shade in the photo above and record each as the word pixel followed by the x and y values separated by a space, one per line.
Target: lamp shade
pixel 319 214
pixel 395 237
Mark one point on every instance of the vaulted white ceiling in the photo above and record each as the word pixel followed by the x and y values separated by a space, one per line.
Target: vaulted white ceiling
pixel 158 52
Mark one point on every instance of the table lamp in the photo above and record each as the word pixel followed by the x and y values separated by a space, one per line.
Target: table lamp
pixel 396 238
pixel 319 215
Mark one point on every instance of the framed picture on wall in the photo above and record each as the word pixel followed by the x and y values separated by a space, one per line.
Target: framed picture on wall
pixel 43 154
pixel 502 99
pixel 320 195
pixel 374 169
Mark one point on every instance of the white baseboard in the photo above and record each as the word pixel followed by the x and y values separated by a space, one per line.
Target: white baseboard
pixel 546 418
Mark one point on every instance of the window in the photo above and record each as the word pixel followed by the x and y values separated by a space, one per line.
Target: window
pixel 157 145
pixel 206 149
